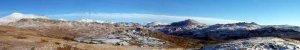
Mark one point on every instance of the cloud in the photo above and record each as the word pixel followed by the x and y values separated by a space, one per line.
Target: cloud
pixel 135 17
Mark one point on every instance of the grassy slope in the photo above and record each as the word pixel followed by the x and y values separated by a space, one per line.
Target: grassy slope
pixel 176 41
pixel 12 38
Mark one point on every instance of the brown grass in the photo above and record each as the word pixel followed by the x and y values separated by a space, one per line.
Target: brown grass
pixel 177 41
pixel 291 40
pixel 68 47
pixel 12 38
pixel 60 33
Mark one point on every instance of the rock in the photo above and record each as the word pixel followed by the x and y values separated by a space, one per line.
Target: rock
pixel 127 24
pixel 78 39
pixel 95 42
pixel 87 41
pixel 137 37
pixel 124 43
pixel 257 43
pixel 126 38
pixel 112 41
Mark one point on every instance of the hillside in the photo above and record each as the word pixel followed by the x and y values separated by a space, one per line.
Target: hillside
pixel 13 38
pixel 39 33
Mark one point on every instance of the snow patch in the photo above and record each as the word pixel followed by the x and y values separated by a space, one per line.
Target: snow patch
pixel 90 20
pixel 62 19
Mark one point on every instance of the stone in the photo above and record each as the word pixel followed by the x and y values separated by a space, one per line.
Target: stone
pixel 112 41
pixel 95 42
pixel 124 43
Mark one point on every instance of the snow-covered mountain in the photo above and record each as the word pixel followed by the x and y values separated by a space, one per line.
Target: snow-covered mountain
pixel 13 17
pixel 18 16
pixel 91 20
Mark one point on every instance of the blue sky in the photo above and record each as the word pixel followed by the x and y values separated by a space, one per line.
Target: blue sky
pixel 261 11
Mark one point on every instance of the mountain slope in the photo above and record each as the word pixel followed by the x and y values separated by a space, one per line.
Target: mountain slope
pixel 233 31
pixel 13 38
pixel 104 33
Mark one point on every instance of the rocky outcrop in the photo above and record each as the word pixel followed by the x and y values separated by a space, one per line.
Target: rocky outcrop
pixel 257 43
pixel 127 37
pixel 127 24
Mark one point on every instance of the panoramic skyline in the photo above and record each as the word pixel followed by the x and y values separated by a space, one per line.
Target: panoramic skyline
pixel 269 12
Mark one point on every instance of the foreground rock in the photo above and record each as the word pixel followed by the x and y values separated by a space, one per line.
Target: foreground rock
pixel 257 43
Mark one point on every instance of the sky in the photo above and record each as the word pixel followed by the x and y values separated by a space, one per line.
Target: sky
pixel 267 12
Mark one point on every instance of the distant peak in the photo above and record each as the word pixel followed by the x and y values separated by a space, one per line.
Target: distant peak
pixel 91 20
pixel 155 23
pixel 188 22
pixel 191 21
pixel 246 23
pixel 15 16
